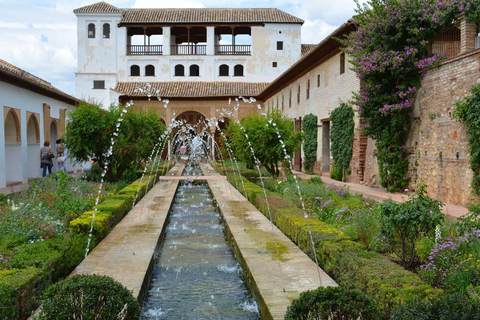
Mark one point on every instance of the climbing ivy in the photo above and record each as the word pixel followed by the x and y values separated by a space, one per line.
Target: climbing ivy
pixel 468 112
pixel 389 54
pixel 309 127
pixel 341 137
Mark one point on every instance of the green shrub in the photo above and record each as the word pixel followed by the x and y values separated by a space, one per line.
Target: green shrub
pixel 88 297
pixel 17 292
pixel 341 138
pixel 404 223
pixel 447 307
pixel 101 224
pixel 336 173
pixel 331 303
pixel 309 127
pixel 95 173
pixel 116 207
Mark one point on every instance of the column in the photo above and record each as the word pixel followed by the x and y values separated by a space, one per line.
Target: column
pixel 210 41
pixel 467 35
pixel 3 168
pixel 166 41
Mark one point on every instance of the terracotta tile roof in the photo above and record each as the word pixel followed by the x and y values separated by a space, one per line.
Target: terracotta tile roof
pixel 209 15
pixel 100 7
pixel 16 76
pixel 194 89
pixel 306 48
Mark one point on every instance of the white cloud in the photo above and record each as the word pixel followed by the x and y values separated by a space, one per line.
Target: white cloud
pixel 22 28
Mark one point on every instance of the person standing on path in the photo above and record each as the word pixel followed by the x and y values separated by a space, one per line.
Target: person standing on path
pixel 46 156
pixel 61 156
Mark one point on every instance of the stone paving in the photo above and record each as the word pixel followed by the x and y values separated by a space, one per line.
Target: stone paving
pixel 278 269
pixel 126 253
pixel 451 211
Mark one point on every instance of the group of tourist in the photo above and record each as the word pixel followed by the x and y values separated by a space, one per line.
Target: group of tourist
pixel 47 157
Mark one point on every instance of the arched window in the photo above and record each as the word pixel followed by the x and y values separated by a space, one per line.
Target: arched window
pixel 12 127
pixel 238 70
pixel 91 30
pixel 194 70
pixel 33 131
pixel 135 71
pixel 150 71
pixel 224 70
pixel 106 31
pixel 179 70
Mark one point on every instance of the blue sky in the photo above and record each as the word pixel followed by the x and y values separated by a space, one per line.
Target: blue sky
pixel 39 36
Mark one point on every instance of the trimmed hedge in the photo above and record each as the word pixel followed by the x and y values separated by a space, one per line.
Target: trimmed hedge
pixel 34 268
pixel 348 262
pixel 112 209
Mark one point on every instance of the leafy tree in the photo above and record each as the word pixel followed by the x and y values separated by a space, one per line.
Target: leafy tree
pixel 309 127
pixel 261 134
pixel 89 133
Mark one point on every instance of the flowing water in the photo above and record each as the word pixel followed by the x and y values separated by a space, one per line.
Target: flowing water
pixel 196 275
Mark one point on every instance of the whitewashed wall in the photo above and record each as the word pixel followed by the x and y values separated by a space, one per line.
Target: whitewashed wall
pixel 21 161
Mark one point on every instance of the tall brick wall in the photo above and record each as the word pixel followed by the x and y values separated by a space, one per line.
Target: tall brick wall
pixel 439 143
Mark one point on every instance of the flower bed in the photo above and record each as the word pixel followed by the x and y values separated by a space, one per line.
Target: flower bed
pixel 44 232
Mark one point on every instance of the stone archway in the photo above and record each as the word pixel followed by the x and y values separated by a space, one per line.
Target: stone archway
pixel 33 145
pixel 13 146
pixel 53 138
pixel 194 126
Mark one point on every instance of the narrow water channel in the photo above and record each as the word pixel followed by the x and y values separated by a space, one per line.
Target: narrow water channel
pixel 196 275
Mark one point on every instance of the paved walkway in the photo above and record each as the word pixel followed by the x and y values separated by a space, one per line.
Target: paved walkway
pixel 126 253
pixel 452 211
pixel 277 268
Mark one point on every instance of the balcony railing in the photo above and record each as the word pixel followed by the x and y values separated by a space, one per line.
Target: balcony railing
pixel 188 49
pixel 136 50
pixel 233 49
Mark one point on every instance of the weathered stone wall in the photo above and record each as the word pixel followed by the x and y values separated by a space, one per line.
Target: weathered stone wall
pixel 439 143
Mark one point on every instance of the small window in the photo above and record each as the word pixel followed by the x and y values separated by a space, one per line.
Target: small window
pixel 274 64
pixel 318 80
pixel 91 31
pixel 106 31
pixel 150 71
pixel 279 45
pixel 134 71
pixel 194 71
pixel 298 94
pixel 179 70
pixel 308 89
pixel 342 63
pixel 238 70
pixel 290 99
pixel 224 70
pixel 98 84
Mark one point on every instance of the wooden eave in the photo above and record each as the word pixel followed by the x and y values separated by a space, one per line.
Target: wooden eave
pixel 190 24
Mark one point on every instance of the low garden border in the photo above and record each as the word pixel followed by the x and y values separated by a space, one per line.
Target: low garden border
pixel 346 261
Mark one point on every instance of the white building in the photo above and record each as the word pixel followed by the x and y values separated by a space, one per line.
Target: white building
pixel 32 111
pixel 118 46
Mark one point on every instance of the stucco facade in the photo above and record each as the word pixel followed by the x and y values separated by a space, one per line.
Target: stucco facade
pixel 107 52
pixel 28 119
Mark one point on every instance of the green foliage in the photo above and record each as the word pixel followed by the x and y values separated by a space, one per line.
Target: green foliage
pixel 263 137
pixel 348 262
pixel 404 223
pixel 88 297
pixel 471 221
pixel 341 137
pixel 309 127
pixel 91 128
pixel 446 307
pixel 468 112
pixel 331 303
